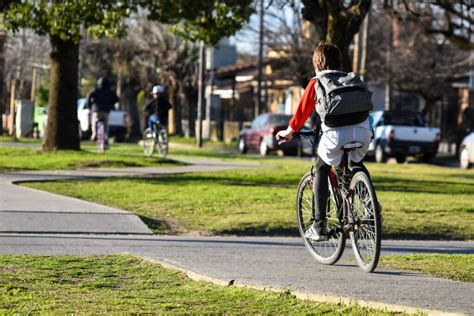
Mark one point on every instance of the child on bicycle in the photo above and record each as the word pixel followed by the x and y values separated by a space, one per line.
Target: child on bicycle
pixel 158 108
pixel 343 103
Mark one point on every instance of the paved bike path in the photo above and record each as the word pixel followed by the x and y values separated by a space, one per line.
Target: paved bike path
pixel 25 210
pixel 274 262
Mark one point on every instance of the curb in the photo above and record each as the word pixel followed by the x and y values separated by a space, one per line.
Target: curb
pixel 320 298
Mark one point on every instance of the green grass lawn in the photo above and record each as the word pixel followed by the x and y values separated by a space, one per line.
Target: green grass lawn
pixel 126 284
pixel 11 139
pixel 193 141
pixel 454 267
pixel 418 200
pixel 35 159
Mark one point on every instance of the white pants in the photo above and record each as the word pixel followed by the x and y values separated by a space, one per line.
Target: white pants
pixel 330 145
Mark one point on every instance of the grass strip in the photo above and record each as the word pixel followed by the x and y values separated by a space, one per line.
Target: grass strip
pixel 34 159
pixel 126 284
pixel 459 267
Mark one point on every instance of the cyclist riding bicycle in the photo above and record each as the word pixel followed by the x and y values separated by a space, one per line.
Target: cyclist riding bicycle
pixel 342 123
pixel 101 101
pixel 158 107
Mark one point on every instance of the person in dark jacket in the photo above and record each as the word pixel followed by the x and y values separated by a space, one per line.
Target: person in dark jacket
pixel 158 107
pixel 101 101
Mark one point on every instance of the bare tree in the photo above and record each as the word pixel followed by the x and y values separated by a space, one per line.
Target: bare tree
pixel 291 39
pixel 421 62
pixel 452 19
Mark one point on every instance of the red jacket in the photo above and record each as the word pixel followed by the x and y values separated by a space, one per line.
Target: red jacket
pixel 305 107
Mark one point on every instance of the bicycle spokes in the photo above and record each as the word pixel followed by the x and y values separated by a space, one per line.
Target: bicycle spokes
pixel 366 219
pixel 326 252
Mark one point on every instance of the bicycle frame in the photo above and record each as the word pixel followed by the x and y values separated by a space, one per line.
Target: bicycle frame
pixel 339 182
pixel 339 187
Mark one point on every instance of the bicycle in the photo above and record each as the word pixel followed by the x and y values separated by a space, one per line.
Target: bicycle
pixel 153 138
pixel 352 209
pixel 101 136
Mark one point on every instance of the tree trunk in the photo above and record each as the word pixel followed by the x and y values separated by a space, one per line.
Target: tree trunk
pixel 177 111
pixel 341 30
pixel 191 96
pixel 336 23
pixel 62 129
pixel 129 102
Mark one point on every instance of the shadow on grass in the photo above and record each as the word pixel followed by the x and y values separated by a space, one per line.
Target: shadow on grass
pixel 421 186
pixel 180 179
pixel 157 226
pixel 104 163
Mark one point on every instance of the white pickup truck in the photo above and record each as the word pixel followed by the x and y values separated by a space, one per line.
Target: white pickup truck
pixel 402 134
pixel 117 122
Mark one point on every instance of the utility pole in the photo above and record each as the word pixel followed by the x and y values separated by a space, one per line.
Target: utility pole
pixel 259 106
pixel 33 86
pixel 363 55
pixel 207 134
pixel 388 84
pixel 201 87
pixel 355 53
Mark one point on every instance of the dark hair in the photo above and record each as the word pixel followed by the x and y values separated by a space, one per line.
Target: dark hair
pixel 327 56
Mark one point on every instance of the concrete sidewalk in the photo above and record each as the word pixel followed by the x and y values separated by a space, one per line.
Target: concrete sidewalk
pixel 24 210
pixel 274 262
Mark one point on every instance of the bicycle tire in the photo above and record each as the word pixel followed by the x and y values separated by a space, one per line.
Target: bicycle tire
pixel 162 142
pixel 149 142
pixel 100 130
pixel 327 252
pixel 369 232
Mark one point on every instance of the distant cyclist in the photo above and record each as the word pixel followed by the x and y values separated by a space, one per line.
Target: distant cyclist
pixel 158 108
pixel 101 101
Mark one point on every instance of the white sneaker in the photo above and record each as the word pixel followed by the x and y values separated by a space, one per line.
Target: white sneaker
pixel 312 234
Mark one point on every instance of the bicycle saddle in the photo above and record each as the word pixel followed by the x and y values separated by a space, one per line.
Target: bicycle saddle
pixel 352 145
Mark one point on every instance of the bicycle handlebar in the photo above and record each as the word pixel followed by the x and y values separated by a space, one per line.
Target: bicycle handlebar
pixel 298 135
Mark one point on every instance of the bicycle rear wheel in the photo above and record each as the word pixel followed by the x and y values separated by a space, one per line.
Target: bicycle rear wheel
pixel 149 142
pixel 100 127
pixel 367 235
pixel 327 252
pixel 162 142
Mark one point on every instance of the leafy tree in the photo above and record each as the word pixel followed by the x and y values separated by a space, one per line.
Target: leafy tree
pixel 65 21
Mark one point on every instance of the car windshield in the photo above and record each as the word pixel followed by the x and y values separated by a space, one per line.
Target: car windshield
pixel 276 120
pixel 408 119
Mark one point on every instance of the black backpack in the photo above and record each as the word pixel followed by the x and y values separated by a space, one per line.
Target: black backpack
pixel 342 98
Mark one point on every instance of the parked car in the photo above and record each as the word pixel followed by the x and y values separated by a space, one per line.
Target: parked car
pixel 402 134
pixel 117 122
pixel 261 136
pixel 466 152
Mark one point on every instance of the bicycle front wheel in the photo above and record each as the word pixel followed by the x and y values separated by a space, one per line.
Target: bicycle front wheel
pixel 367 234
pixel 149 142
pixel 100 130
pixel 163 143
pixel 326 252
